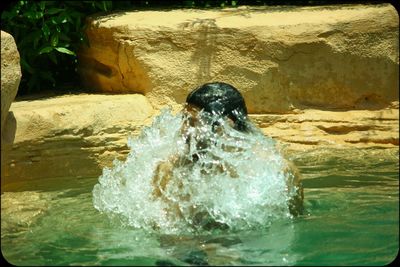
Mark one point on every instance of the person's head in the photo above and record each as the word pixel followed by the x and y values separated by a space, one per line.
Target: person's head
pixel 220 99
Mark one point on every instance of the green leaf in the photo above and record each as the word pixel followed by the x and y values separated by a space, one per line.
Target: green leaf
pixel 46 50
pixel 54 40
pixel 46 31
pixel 30 14
pixel 39 15
pixel 65 51
pixel 42 5
pixel 67 18
pixel 54 10
pixel 63 20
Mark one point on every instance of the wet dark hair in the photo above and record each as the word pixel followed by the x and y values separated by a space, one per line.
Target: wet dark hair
pixel 221 99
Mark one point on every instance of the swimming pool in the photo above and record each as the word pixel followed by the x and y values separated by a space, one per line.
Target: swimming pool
pixel 351 218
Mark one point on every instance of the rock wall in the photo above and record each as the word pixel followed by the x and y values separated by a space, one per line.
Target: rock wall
pixel 316 128
pixel 10 78
pixel 280 58
pixel 10 74
pixel 72 136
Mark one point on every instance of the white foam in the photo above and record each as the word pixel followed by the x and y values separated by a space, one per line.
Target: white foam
pixel 250 192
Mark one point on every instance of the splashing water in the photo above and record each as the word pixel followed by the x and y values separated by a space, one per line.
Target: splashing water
pixel 175 182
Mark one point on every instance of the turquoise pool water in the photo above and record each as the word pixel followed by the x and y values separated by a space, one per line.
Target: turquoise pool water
pixel 351 218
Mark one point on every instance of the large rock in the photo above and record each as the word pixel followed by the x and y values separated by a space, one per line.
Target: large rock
pixel 340 129
pixel 72 136
pixel 281 58
pixel 10 74
pixel 10 78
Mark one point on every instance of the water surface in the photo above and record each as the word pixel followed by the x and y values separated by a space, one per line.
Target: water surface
pixel 224 201
pixel 351 218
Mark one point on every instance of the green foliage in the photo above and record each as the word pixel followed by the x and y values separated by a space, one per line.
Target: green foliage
pixel 48 35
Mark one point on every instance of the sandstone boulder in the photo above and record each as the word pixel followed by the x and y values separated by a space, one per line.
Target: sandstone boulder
pixel 281 58
pixel 10 78
pixel 318 128
pixel 10 74
pixel 72 136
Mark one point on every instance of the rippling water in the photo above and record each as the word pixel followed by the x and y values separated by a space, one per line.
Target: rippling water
pixel 351 218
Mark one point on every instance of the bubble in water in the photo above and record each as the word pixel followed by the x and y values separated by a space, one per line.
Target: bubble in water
pixel 180 178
